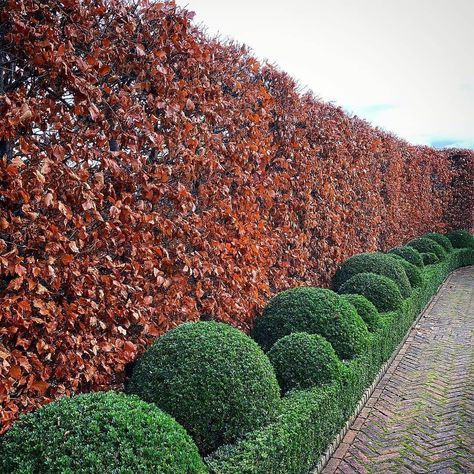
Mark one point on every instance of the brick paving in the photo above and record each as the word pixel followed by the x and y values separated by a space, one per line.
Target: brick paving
pixel 420 418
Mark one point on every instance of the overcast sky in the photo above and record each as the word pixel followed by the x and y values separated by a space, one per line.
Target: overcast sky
pixel 404 65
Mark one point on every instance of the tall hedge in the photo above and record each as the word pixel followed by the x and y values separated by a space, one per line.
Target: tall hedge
pixel 150 174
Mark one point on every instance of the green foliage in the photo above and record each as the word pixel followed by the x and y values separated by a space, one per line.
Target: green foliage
pixel 378 289
pixel 365 309
pixel 429 258
pixel 309 419
pixel 315 311
pixel 377 263
pixel 410 254
pixel 303 360
pixel 102 432
pixel 441 240
pixel 212 378
pixel 425 245
pixel 412 271
pixel 461 239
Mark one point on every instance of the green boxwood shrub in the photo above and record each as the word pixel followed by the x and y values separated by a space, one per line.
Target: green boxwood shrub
pixel 212 378
pixel 429 258
pixel 441 240
pixel 425 245
pixel 102 432
pixel 378 289
pixel 366 310
pixel 303 360
pixel 461 239
pixel 410 254
pixel 315 311
pixel 309 419
pixel 412 271
pixel 377 263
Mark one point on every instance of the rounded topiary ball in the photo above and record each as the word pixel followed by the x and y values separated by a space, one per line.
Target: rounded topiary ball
pixel 303 360
pixel 412 271
pixel 461 239
pixel 315 311
pixel 424 245
pixel 441 240
pixel 376 262
pixel 429 258
pixel 410 254
pixel 212 378
pixel 366 310
pixel 102 432
pixel 378 289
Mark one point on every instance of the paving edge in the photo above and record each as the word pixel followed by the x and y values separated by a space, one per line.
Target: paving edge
pixel 323 460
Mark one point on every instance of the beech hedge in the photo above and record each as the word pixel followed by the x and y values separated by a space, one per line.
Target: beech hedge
pixel 150 174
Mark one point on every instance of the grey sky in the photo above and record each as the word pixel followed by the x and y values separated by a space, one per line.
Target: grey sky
pixel 404 65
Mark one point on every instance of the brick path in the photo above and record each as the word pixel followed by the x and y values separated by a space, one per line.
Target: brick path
pixel 420 418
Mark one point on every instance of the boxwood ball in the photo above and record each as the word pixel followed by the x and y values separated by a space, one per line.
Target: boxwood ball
pixel 211 377
pixel 103 432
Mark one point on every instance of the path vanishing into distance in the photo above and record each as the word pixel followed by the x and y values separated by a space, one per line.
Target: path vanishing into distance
pixel 420 418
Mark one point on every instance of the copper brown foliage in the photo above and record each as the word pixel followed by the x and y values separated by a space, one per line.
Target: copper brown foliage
pixel 150 175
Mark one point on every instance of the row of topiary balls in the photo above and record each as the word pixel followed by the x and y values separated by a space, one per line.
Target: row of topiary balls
pixel 215 381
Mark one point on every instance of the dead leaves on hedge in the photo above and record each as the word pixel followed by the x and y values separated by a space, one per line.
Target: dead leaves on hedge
pixel 150 175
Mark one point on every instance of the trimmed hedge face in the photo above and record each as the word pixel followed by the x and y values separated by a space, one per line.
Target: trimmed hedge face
pixel 204 153
pixel 410 254
pixel 425 245
pixel 378 289
pixel 377 263
pixel 315 311
pixel 412 271
pixel 365 309
pixel 461 239
pixel 429 258
pixel 441 240
pixel 103 432
pixel 303 360
pixel 212 378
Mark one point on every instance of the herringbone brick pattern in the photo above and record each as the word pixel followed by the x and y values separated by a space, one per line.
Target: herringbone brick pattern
pixel 420 418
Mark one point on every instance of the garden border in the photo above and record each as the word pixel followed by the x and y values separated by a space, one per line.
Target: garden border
pixel 317 469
